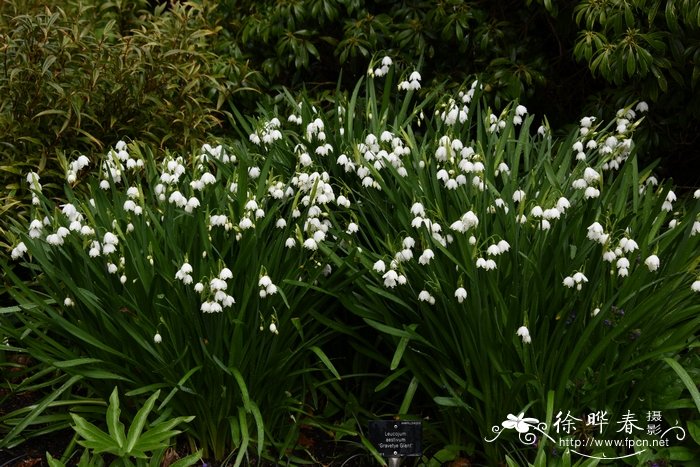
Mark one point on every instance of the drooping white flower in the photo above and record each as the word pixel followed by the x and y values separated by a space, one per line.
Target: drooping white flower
pixel 493 250
pixel 470 220
pixel 225 274
pixel 424 296
pixel 695 286
pixel 245 223
pixel 461 294
pixel 54 239
pixel 524 333
pixel 563 204
pixel 343 201
pixel 94 249
pixel 586 122
pixel 217 284
pixel 518 196
pixel 579 277
pixel 695 229
pixel 379 266
pixel 609 256
pixel 551 213
pixel 668 203
pixel 579 184
pixel 404 255
pixel 19 250
pixel 264 281
pixel 426 256
pixel 110 238
pixel 157 338
pixel 652 262
pixel 628 245
pixel 390 278
pixel 591 192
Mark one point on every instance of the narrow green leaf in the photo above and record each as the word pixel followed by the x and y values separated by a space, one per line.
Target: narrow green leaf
pixel 93 437
pixel 245 437
pixel 389 379
pixel 242 386
pixel 187 461
pixel 39 409
pixel 686 379
pixel 326 361
pixel 399 353
pixel 408 397
pixel 260 426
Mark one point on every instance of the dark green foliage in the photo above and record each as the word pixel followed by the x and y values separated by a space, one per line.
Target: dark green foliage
pixel 648 49
pixel 78 76
pixel 72 83
pixel 297 41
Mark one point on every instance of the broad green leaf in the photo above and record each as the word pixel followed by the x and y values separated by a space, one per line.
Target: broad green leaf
pixel 115 427
pixel 139 422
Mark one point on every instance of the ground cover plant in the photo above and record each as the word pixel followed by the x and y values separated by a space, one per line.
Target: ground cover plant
pixel 478 267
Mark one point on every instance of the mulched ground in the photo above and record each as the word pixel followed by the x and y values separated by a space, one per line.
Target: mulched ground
pixel 33 453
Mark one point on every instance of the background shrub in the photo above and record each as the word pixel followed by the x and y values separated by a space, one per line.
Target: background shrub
pixel 78 76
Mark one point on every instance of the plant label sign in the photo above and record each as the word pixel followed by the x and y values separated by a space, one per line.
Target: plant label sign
pixel 396 438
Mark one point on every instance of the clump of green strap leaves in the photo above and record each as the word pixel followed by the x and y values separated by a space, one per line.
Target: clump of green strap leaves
pixel 144 444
